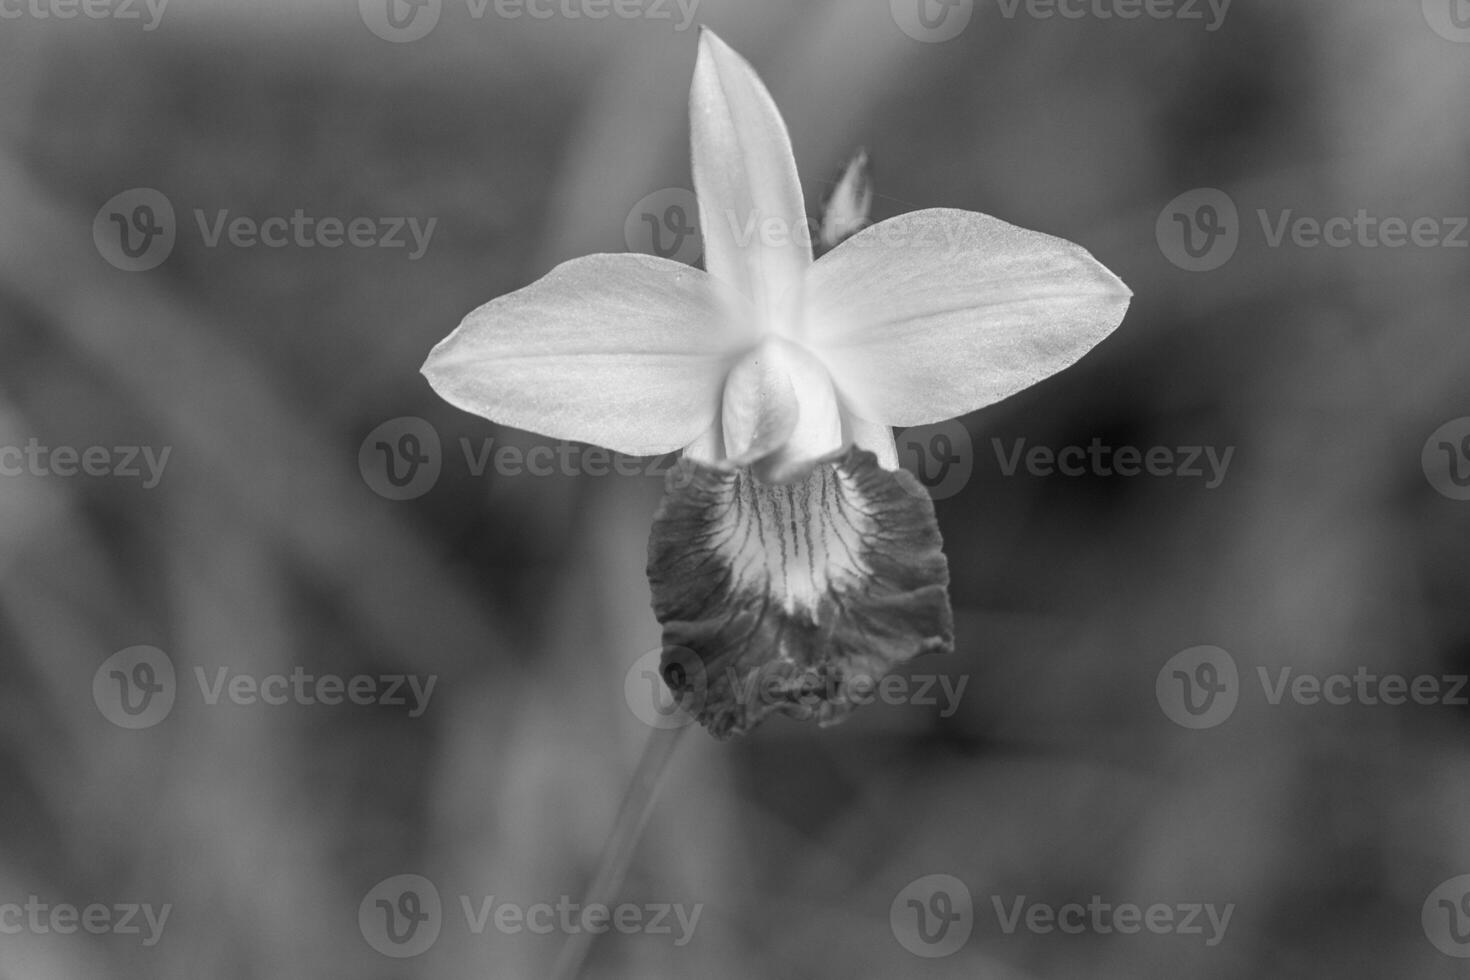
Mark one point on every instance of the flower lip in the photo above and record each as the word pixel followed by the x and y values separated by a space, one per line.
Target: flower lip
pixel 790 597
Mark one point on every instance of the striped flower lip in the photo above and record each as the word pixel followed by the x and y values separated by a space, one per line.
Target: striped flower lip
pixel 790 553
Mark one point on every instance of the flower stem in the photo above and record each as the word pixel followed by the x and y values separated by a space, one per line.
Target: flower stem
pixel 617 853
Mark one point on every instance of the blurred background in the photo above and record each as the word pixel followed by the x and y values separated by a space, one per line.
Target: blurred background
pixel 273 540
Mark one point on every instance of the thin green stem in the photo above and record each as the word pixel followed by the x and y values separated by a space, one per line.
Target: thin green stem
pixel 617 853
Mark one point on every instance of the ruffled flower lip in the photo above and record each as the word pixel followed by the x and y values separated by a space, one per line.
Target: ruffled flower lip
pixel 794 598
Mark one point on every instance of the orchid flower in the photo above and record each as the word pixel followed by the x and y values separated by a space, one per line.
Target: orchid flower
pixel 792 563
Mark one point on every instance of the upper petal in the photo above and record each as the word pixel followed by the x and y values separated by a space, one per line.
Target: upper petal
pixel 936 313
pixel 751 210
pixel 627 352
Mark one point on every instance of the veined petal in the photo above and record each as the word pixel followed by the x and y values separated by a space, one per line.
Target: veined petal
pixel 627 352
pixel 751 210
pixel 794 598
pixel 936 313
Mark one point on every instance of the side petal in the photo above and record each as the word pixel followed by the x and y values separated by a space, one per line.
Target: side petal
pixel 751 210
pixel 794 598
pixel 936 313
pixel 627 352
pixel 848 207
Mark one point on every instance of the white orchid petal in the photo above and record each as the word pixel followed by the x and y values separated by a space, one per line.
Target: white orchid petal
pixel 937 313
pixel 751 210
pixel 780 412
pixel 627 352
pixel 875 437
